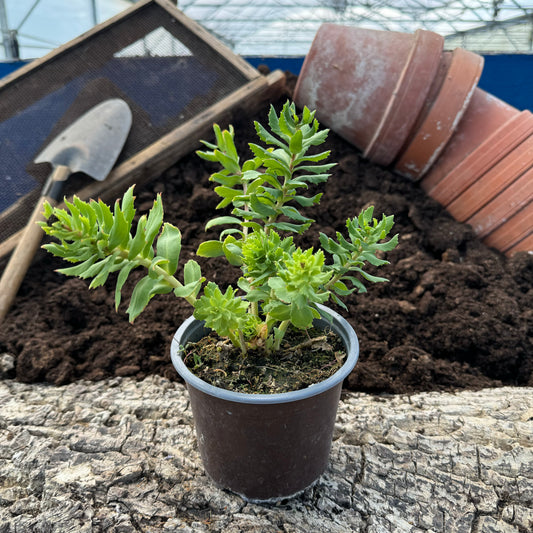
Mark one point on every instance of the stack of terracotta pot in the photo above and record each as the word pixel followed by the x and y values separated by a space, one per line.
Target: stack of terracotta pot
pixel 408 104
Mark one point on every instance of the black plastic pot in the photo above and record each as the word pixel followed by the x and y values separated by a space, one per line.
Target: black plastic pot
pixel 265 447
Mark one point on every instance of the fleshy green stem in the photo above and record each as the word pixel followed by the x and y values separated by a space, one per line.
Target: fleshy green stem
pixel 282 328
pixel 147 263
pixel 242 343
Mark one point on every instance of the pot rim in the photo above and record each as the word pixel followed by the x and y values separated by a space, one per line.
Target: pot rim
pixel 345 330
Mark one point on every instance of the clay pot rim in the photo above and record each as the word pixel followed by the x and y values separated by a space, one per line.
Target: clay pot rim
pixel 402 109
pixel 451 103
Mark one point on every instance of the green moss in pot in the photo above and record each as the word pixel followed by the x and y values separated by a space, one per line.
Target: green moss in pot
pixel 263 361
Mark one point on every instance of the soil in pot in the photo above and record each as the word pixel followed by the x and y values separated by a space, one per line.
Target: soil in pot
pixel 455 315
pixel 305 358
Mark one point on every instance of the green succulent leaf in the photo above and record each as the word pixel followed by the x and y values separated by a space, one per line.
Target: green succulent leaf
pixel 226 179
pixel 295 144
pixel 138 242
pixel 294 214
pixel 305 201
pixel 208 156
pixel 154 221
pixel 261 205
pixel 232 250
pixel 222 220
pixel 287 226
pixel 78 270
pixel 107 265
pixel 143 292
pixel 210 249
pixel 192 272
pixel 192 277
pixel 188 290
pixel 267 137
pixel 106 216
pixel 127 205
pixel 169 247
pixel 122 277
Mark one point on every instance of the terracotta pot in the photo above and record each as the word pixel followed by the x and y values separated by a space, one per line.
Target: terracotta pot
pixel 514 235
pixel 525 245
pixel 493 182
pixel 484 176
pixel 435 127
pixel 265 447
pixel 503 206
pixel 489 124
pixel 490 130
pixel 369 85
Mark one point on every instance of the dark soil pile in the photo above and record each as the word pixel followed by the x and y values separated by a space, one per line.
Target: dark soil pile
pixel 455 314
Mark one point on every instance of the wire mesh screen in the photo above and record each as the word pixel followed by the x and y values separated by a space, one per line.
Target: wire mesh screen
pixel 164 71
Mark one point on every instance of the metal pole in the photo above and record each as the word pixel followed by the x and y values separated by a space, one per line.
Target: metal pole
pixel 7 37
pixel 94 13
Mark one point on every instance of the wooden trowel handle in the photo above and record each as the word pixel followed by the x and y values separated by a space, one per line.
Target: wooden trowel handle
pixel 29 242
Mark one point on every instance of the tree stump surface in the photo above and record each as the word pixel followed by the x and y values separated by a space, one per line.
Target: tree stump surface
pixel 121 456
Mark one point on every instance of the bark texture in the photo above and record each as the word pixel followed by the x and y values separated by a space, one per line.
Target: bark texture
pixel 121 456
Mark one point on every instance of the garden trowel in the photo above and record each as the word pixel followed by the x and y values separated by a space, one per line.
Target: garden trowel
pixel 90 145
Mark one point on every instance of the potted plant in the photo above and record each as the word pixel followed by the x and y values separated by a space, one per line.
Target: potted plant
pixel 264 362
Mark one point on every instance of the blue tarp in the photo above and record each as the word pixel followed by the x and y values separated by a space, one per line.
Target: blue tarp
pixel 6 67
pixel 509 77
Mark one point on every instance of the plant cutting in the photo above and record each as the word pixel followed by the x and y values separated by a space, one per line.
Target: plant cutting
pixel 257 438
